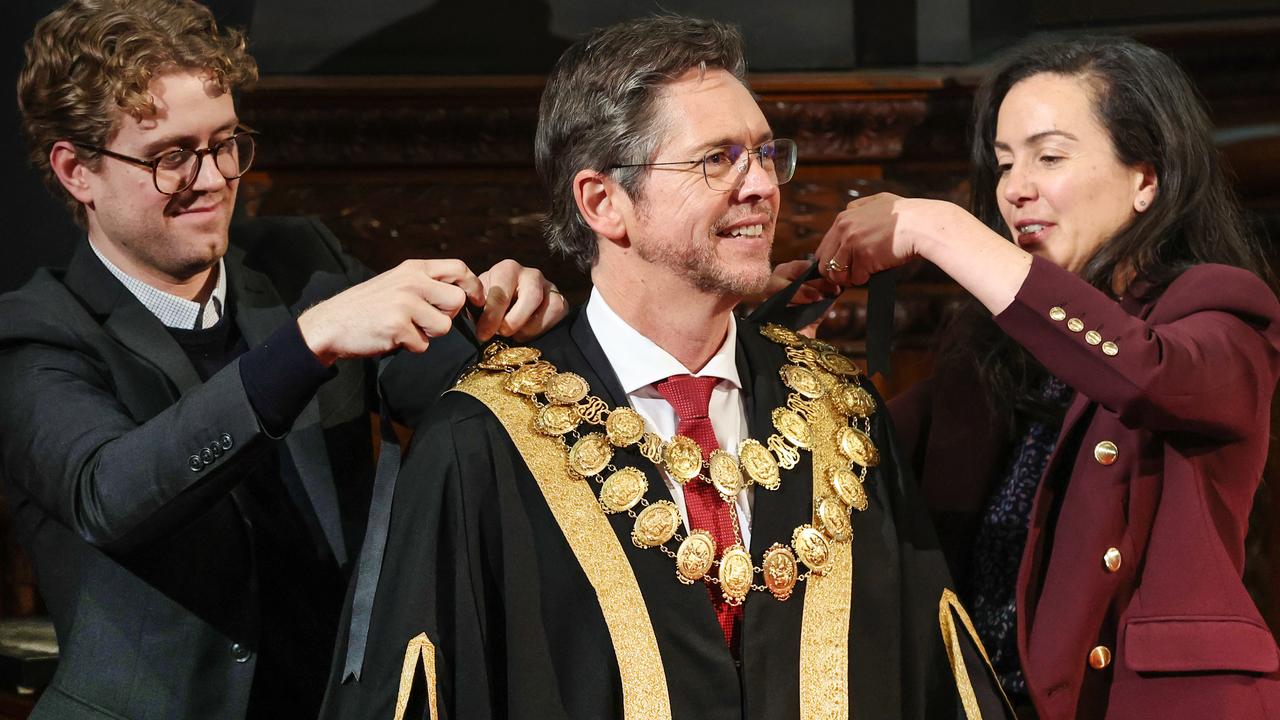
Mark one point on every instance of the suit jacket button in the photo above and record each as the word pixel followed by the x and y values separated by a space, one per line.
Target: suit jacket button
pixel 1057 313
pixel 225 441
pixel 206 456
pixel 240 653
pixel 195 463
pixel 1099 657
pixel 216 449
pixel 1111 559
pixel 1075 325
pixel 1105 452
pixel 1110 348
pixel 1093 337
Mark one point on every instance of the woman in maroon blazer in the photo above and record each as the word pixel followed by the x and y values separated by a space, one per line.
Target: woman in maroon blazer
pixel 1103 410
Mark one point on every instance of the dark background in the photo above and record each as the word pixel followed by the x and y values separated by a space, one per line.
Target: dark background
pixel 468 37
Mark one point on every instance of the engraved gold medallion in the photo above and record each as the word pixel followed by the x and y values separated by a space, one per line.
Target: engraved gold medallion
pixel 838 364
pixel 530 379
pixel 556 419
pixel 590 454
pixel 779 570
pixel 853 400
pixel 655 524
pixel 623 489
pixel 695 556
pixel 566 388
pixel 857 446
pixel 813 548
pixel 509 357
pixel 782 335
pixel 834 519
pixel 847 487
pixel 624 427
pixel 759 464
pixel 735 574
pixel 803 381
pixel 792 426
pixel 683 458
pixel 725 474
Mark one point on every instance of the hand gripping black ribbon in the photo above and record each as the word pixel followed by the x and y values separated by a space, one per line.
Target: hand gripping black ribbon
pixel 881 292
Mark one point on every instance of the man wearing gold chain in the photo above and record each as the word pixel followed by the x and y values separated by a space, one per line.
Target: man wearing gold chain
pixel 657 510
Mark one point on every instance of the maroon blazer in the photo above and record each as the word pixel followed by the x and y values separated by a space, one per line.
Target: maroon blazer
pixel 1135 607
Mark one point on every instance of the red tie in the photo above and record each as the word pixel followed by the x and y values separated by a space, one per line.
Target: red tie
pixel 707 511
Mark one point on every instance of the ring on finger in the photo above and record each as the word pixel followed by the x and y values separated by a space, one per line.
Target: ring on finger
pixel 833 266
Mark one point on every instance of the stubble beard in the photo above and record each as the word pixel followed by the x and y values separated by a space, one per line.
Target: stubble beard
pixel 706 271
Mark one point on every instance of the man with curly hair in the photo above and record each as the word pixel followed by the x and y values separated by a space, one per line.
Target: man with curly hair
pixel 184 411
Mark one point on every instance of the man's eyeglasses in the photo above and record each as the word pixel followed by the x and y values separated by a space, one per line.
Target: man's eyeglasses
pixel 723 167
pixel 175 171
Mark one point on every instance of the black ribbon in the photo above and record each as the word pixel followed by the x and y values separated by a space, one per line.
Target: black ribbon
pixel 375 536
pixel 881 293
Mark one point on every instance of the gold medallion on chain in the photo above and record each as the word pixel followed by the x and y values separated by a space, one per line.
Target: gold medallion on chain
pixel 623 489
pixel 779 570
pixel 655 524
pixel 759 464
pixel 590 454
pixel 695 557
pixel 624 427
pixel 735 574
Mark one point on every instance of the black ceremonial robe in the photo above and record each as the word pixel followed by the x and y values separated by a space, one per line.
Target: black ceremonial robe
pixel 480 588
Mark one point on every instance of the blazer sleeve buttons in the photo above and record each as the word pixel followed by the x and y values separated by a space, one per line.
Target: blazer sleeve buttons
pixel 206 455
pixel 1111 560
pixel 1110 349
pixel 1058 314
pixel 1105 452
pixel 1075 325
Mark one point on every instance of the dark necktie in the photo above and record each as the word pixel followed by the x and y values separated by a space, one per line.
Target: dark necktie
pixel 690 397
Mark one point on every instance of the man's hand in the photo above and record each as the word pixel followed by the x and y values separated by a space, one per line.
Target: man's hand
pixel 402 308
pixel 519 302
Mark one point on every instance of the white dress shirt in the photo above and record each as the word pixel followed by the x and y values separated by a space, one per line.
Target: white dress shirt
pixel 173 311
pixel 639 363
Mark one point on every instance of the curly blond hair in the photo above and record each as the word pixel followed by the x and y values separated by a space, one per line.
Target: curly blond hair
pixel 90 62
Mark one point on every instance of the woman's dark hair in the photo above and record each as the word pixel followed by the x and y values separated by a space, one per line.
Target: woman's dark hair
pixel 1154 116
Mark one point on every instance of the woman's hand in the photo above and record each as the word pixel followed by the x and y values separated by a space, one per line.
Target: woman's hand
pixel 885 231
pixel 876 233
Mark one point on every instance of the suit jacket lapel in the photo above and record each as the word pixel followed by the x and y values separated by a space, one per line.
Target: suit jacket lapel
pixel 259 312
pixel 127 320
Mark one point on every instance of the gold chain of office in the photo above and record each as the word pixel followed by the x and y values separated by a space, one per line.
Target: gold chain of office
pixel 816 373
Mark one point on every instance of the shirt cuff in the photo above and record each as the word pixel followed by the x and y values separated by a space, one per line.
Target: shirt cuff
pixel 280 377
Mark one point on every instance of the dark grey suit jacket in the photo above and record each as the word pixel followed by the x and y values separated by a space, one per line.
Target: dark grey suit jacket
pixel 144 556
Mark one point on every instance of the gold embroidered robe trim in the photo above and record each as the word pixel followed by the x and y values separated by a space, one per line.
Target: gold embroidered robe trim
pixel 419 648
pixel 949 610
pixel 594 544
pixel 828 601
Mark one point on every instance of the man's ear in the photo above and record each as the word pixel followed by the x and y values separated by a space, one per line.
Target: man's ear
pixel 603 203
pixel 71 172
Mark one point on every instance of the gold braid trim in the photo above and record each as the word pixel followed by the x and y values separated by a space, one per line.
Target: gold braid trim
pixel 949 608
pixel 596 546
pixel 419 647
pixel 828 601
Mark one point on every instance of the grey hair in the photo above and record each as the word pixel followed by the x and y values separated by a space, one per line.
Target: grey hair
pixel 600 108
